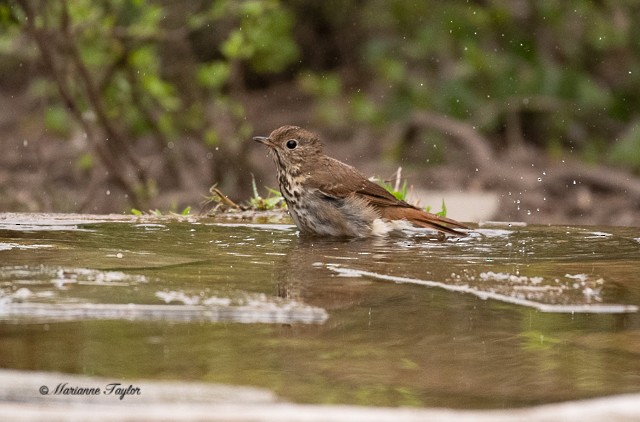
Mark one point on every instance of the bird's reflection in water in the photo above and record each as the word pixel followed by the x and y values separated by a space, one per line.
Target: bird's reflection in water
pixel 303 275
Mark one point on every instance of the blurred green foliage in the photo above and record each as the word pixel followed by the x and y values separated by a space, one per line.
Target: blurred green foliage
pixel 562 75
pixel 263 37
pixel 125 70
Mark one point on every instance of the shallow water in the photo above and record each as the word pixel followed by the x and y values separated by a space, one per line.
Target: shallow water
pixel 507 316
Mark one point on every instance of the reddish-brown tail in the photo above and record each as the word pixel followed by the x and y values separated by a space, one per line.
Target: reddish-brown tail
pixel 422 219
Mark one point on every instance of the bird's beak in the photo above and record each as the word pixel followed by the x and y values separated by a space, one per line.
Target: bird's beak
pixel 263 140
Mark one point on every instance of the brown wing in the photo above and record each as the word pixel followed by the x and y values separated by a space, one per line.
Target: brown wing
pixel 338 180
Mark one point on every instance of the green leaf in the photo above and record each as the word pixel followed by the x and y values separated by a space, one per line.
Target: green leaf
pixel 235 47
pixel 443 211
pixel 144 58
pixel 162 91
pixel 214 75
pixel 273 191
pixel 253 186
pixel 627 150
pixel 85 162
pixel 211 138
pixel 398 194
pixel 57 120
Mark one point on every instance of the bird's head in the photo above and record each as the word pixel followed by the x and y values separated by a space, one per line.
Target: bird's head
pixel 292 147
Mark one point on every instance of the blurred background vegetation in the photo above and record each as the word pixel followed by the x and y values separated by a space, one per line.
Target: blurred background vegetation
pixel 156 100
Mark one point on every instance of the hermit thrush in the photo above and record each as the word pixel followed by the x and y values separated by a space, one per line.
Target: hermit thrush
pixel 326 197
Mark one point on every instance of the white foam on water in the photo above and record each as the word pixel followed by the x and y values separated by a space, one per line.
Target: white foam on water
pixel 598 235
pixel 273 313
pixel 5 246
pixel 598 308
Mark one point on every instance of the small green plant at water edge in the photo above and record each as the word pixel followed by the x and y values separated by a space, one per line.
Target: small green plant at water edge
pixel 441 213
pixel 396 190
pixel 186 211
pixel 273 200
pixel 400 192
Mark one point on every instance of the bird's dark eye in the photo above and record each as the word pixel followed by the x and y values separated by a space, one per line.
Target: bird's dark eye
pixel 291 143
